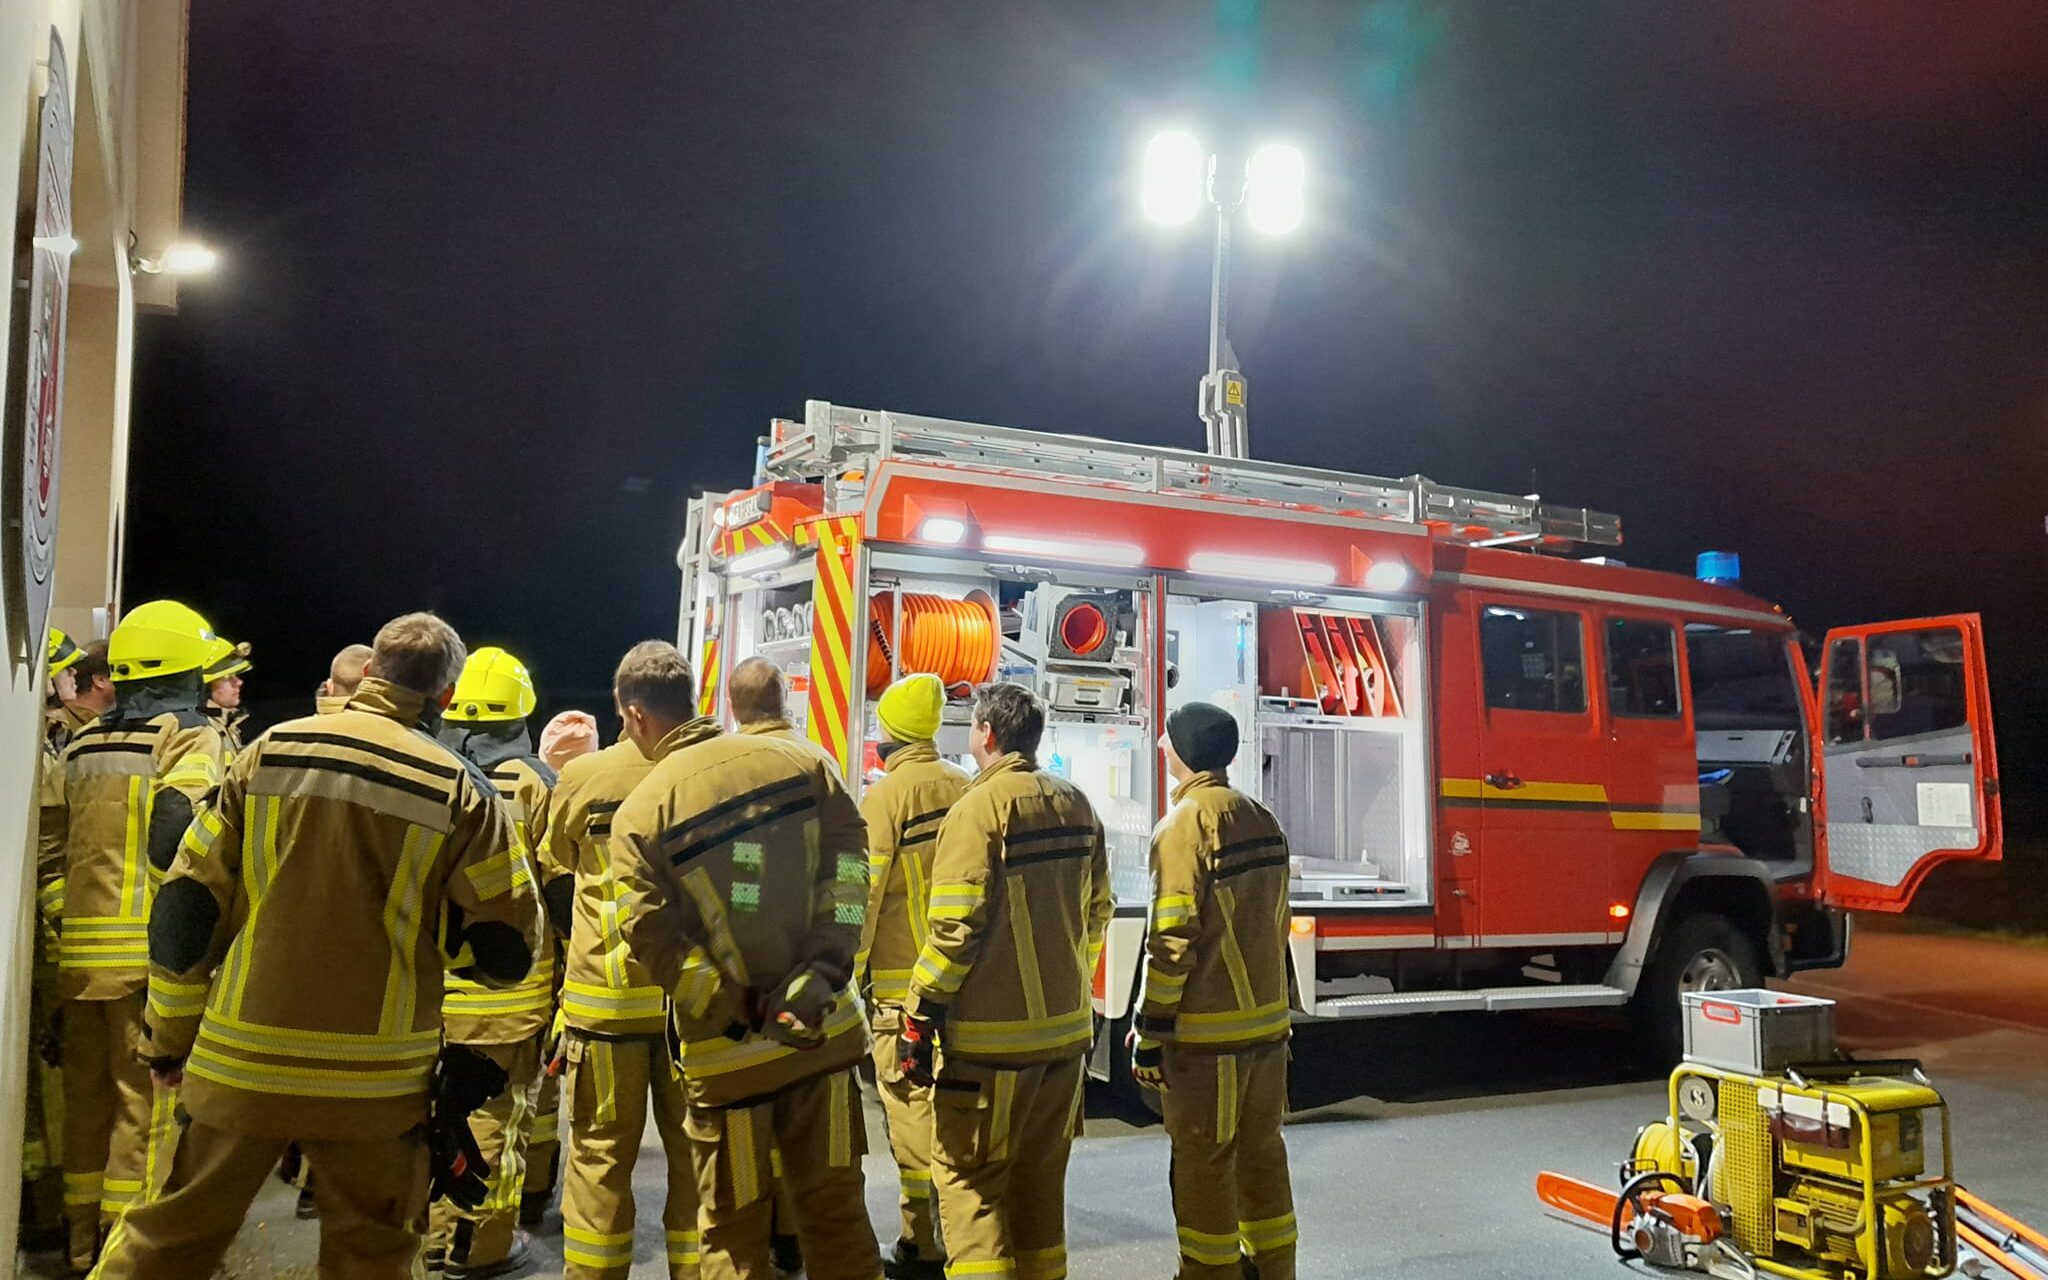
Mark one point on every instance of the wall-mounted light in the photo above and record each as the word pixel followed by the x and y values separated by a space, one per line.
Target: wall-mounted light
pixel 184 258
pixel 62 246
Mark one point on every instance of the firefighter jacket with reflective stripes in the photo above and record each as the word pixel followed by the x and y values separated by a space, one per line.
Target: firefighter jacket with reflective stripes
pixel 335 848
pixel 475 1013
pixel 606 991
pixel 744 864
pixel 903 810
pixel 1019 901
pixel 131 781
pixel 58 727
pixel 1216 946
pixel 229 721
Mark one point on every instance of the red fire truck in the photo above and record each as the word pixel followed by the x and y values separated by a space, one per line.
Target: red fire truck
pixel 1514 773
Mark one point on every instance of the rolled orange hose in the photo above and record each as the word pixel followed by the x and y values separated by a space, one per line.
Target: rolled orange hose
pixel 954 640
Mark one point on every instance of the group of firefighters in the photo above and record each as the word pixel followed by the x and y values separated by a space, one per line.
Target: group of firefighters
pixel 392 937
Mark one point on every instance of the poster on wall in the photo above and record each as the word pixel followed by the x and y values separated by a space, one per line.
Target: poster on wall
pixel 32 502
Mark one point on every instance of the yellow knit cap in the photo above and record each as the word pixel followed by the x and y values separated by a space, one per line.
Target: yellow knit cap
pixel 909 709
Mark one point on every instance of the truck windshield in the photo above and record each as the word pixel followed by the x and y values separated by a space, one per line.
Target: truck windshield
pixel 1741 679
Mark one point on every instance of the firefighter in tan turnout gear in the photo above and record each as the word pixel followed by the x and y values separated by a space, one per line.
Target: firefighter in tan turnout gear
pixel 1212 1027
pixel 903 810
pixel 131 782
pixel 757 695
pixel 296 968
pixel 615 1045
pixel 485 724
pixel 1019 901
pixel 744 864
pixel 78 692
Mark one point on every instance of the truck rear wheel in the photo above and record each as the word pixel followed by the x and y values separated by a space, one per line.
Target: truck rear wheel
pixel 1703 952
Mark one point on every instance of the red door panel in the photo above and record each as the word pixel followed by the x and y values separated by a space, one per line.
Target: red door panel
pixel 1542 795
pixel 1909 770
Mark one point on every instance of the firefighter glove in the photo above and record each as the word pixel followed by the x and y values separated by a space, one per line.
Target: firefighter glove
pixel 464 1080
pixel 1147 1062
pixel 914 1049
pixel 797 1018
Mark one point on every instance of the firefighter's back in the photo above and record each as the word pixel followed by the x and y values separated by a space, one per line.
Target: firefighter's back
pixel 1027 996
pixel 332 989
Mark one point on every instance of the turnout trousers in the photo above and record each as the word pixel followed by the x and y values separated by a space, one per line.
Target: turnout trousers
pixel 107 1112
pixel 372 1196
pixel 1000 1141
pixel 817 1125
pixel 544 1141
pixel 1231 1196
pixel 908 1108
pixel 610 1084
pixel 500 1128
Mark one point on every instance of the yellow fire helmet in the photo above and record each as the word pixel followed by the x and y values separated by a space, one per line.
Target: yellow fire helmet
pixel 227 658
pixel 494 686
pixel 63 653
pixel 161 638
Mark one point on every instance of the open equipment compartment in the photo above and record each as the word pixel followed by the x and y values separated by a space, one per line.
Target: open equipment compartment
pixel 1329 698
pixel 1079 639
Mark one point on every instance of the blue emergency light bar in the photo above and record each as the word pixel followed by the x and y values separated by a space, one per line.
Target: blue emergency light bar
pixel 1719 568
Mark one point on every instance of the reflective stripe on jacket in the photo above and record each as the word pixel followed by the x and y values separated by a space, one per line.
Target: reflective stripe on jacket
pixel 1216 947
pixel 475 1013
pixel 1019 901
pixel 606 991
pixel 744 864
pixel 335 847
pixel 114 772
pixel 903 810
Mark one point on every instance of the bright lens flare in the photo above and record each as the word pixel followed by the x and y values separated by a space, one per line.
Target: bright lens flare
pixel 187 259
pixel 1173 178
pixel 1274 181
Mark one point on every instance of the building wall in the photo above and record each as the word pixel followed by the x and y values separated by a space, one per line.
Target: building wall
pixel 126 60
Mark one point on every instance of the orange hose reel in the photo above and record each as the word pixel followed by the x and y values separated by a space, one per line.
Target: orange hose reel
pixel 954 640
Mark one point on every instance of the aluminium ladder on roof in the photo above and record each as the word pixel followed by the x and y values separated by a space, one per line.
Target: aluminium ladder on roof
pixel 833 439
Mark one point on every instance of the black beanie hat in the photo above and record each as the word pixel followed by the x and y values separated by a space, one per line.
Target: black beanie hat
pixel 1203 735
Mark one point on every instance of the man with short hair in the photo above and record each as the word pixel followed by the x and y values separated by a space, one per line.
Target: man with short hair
pixel 343 675
pixel 903 809
pixel 1213 1020
pixel 615 1046
pixel 131 781
pixel 296 952
pixel 759 697
pixel 1003 988
pixel 744 865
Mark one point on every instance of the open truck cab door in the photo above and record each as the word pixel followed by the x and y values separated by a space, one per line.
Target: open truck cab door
pixel 1909 771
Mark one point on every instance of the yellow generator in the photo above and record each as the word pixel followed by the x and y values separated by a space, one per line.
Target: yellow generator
pixel 1819 1168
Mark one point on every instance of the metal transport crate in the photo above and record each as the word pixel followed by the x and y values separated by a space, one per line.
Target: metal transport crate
pixel 1757 1031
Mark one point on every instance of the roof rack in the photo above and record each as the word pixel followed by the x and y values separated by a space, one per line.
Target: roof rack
pixel 833 440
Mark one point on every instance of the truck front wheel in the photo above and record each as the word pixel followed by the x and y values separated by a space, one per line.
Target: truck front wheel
pixel 1704 952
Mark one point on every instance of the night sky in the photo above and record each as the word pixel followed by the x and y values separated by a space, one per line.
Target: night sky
pixel 503 288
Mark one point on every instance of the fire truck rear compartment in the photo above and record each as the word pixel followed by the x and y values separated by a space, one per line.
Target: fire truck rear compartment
pixel 1329 700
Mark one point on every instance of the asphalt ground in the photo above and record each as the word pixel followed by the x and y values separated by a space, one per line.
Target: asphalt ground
pixel 1415 1143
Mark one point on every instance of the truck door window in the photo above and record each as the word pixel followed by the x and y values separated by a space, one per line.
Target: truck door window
pixel 1741 679
pixel 1845 692
pixel 1916 683
pixel 1642 669
pixel 1534 660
